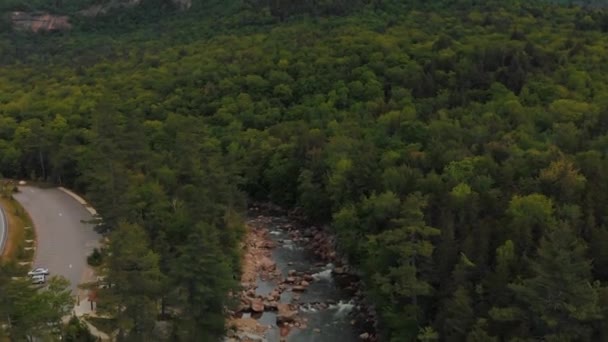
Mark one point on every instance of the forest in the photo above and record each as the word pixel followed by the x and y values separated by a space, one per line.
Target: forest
pixel 457 150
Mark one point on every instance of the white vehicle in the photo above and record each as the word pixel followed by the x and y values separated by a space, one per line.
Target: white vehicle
pixel 38 279
pixel 38 271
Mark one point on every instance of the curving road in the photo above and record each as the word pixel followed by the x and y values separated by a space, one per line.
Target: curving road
pixel 64 241
pixel 3 230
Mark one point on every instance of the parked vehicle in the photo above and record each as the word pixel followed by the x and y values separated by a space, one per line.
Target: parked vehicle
pixel 38 271
pixel 39 279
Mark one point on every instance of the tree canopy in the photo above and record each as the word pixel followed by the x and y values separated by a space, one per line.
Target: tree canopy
pixel 455 148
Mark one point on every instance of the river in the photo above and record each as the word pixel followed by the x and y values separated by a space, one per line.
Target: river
pixel 314 287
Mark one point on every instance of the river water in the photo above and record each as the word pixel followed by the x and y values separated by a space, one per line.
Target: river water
pixel 327 310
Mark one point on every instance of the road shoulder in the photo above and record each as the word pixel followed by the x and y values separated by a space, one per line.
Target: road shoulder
pixel 20 235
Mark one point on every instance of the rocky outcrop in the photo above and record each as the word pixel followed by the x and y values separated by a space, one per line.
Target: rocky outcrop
pixel 39 22
pixel 46 22
pixel 104 8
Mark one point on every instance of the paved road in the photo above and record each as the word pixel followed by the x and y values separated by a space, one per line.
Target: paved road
pixel 3 230
pixel 64 241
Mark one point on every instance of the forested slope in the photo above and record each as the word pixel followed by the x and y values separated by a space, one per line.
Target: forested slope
pixel 458 154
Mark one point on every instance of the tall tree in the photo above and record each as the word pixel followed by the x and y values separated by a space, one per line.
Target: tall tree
pixel 135 283
pixel 559 298
pixel 398 262
pixel 31 313
pixel 204 277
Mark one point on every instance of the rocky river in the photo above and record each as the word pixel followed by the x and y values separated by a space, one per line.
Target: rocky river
pixel 294 286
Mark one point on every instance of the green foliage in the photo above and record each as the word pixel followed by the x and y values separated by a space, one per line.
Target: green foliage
pixel 559 298
pixel 135 283
pixel 420 131
pixel 95 258
pixel 31 312
pixel 77 331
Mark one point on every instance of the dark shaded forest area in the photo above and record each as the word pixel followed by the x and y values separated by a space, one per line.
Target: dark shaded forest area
pixel 457 150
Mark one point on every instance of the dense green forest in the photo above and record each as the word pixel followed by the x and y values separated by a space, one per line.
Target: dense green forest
pixel 457 150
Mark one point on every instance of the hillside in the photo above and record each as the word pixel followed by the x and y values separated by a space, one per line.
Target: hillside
pixel 457 151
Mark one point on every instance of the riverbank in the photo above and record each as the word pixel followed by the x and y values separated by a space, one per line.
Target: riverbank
pixel 294 286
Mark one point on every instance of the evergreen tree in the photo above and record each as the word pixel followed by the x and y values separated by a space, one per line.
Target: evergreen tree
pixel 398 263
pixel 204 278
pixel 135 283
pixel 559 298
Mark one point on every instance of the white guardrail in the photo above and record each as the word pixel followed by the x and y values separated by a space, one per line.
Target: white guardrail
pixel 3 230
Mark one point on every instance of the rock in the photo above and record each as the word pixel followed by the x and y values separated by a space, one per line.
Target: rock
pixel 248 326
pixel 42 22
pixel 257 305
pixel 304 283
pixel 290 280
pixel 285 314
pixel 291 273
pixel 242 307
pixel 298 288
pixel 284 332
pixel 317 330
pixel 364 336
pixel 308 277
pixel 267 264
pixel 272 306
pixel 339 270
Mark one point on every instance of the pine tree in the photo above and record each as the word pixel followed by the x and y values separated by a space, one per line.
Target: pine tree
pixel 398 259
pixel 135 283
pixel 559 299
pixel 204 277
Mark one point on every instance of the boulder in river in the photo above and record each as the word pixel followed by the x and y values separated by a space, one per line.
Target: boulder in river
pixel 257 305
pixel 285 314
pixel 267 264
pixel 339 271
pixel 271 306
pixel 298 288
